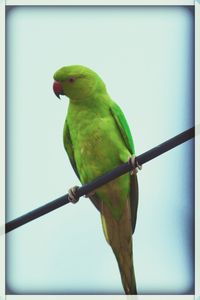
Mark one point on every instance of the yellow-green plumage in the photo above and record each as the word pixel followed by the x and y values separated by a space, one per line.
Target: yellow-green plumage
pixel 97 139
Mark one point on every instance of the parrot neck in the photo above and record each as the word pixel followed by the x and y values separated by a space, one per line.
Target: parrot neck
pixel 94 100
pixel 97 93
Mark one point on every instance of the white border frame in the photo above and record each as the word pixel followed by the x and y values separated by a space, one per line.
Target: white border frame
pixel 2 149
pixel 101 2
pixel 197 148
pixel 3 4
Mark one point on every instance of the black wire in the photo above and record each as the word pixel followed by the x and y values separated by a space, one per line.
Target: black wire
pixel 87 188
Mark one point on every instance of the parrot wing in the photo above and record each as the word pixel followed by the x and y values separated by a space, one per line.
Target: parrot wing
pixel 69 148
pixel 125 132
pixel 123 127
pixel 70 152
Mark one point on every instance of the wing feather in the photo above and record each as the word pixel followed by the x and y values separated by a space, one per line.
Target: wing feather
pixel 125 132
pixel 69 147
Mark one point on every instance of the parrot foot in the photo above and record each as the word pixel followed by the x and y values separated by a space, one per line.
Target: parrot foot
pixel 136 167
pixel 72 194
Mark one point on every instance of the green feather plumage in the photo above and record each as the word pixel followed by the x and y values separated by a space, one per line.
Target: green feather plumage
pixel 97 139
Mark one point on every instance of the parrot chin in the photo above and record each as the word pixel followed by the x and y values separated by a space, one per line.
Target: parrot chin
pixel 57 88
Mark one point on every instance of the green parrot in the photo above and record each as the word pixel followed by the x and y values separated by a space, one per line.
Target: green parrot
pixel 97 139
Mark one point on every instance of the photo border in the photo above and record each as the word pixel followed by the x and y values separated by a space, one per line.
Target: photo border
pixel 3 5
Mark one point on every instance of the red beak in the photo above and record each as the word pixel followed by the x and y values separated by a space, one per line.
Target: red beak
pixel 57 88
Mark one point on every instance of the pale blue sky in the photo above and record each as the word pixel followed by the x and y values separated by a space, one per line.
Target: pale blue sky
pixel 145 56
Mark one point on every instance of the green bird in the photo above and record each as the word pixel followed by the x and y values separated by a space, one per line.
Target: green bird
pixel 97 139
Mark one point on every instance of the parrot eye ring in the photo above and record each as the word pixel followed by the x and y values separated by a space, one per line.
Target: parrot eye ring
pixel 71 79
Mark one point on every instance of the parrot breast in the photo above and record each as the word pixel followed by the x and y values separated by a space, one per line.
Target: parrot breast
pixel 98 148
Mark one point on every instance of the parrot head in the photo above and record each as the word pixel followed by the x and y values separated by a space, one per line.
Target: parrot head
pixel 77 82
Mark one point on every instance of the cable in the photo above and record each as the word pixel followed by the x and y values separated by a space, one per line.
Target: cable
pixel 133 163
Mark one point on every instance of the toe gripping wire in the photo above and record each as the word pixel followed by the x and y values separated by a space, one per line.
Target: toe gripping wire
pixel 73 196
pixel 135 165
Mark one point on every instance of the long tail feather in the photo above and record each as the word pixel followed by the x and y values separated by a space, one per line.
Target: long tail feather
pixel 125 263
pixel 118 234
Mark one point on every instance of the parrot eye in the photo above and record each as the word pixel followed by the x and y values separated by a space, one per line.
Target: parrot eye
pixel 71 79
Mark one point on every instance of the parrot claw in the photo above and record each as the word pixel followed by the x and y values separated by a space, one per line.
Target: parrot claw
pixel 72 194
pixel 136 167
